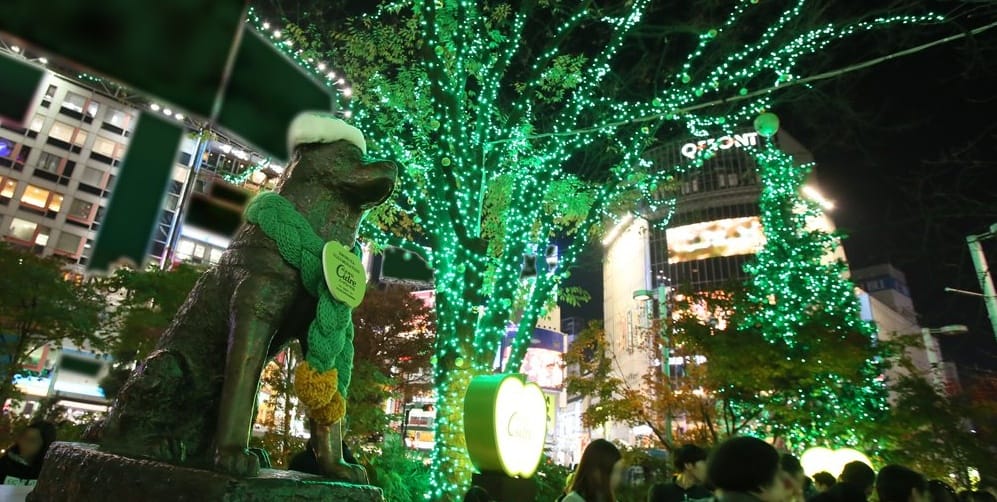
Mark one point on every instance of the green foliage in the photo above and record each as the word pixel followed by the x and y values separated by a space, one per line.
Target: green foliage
pixel 368 392
pixel 42 306
pixel 401 473
pixel 394 334
pixel 551 480
pixel 394 343
pixel 143 305
pixel 150 299
pixel 936 433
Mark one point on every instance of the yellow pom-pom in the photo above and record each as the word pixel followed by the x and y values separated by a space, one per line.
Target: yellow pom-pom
pixel 330 413
pixel 315 389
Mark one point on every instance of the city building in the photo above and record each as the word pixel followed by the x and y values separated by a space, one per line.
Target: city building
pixel 886 301
pixel 57 171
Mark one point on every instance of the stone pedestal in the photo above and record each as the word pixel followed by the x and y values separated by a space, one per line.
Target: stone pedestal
pixel 76 472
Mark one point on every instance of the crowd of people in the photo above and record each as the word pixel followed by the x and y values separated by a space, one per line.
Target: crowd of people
pixel 747 469
pixel 741 469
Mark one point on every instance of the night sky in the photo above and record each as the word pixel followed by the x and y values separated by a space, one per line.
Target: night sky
pixel 907 150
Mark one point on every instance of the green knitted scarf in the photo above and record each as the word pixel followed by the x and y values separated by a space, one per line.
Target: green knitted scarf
pixel 330 335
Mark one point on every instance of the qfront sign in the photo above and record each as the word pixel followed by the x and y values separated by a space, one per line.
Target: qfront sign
pixel 505 424
pixel 691 150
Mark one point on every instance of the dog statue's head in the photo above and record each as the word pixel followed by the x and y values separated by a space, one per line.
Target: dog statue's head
pixel 328 153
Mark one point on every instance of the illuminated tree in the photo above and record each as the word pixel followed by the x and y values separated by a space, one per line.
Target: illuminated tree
pixel 514 125
pixel 800 301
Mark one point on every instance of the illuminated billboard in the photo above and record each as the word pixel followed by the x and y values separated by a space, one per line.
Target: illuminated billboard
pixel 712 239
pixel 542 363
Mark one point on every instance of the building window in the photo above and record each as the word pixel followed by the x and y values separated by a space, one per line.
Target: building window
pixel 22 229
pixel 6 148
pixel 7 188
pixel 93 177
pixel 48 162
pixel 22 154
pixel 184 249
pixel 81 104
pixel 80 138
pixel 80 209
pixel 117 118
pixel 74 102
pixel 41 199
pixel 68 243
pixel 104 147
pixel 50 92
pixel 61 131
pixel 37 122
pixel 29 231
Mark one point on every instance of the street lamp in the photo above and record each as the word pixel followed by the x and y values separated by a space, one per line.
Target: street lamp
pixel 933 351
pixel 983 272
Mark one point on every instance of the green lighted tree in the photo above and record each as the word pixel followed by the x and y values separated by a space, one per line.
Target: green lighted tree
pixel 514 124
pixel 800 301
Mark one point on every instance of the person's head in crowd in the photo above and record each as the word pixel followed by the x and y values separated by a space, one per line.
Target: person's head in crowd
pixel 823 481
pixel 34 441
pixel 477 494
pixel 747 465
pixel 690 461
pixel 896 483
pixel 941 492
pixel 793 474
pixel 859 475
pixel 599 472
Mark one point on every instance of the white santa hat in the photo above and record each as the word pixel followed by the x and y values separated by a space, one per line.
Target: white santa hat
pixel 322 127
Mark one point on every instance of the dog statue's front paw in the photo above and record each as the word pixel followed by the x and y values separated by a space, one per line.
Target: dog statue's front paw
pixel 358 474
pixel 342 471
pixel 237 462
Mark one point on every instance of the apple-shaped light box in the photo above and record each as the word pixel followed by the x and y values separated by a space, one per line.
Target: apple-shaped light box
pixel 819 459
pixel 505 424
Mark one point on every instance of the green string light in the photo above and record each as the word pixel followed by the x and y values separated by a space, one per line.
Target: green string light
pixel 245 174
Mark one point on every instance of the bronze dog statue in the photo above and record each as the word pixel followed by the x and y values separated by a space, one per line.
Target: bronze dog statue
pixel 192 401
